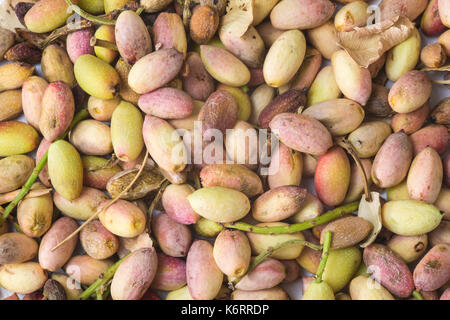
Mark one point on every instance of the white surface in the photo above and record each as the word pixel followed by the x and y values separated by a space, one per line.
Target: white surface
pixel 294 289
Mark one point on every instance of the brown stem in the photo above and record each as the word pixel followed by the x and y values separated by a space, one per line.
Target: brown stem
pixel 101 209
pixel 348 147
pixel 104 44
pixel 186 13
pixel 155 201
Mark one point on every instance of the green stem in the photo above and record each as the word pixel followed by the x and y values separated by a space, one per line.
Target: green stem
pixel 417 295
pixel 324 258
pixel 107 276
pixel 82 114
pixel 88 16
pixel 293 228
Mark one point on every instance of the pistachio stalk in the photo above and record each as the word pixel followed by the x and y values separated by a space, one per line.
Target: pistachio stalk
pixel 293 228
pixel 155 201
pixel 82 114
pixel 101 281
pixel 324 258
pixel 87 16
pixel 186 12
pixel 102 208
pixel 348 147
pixel 83 24
pixel 416 294
pixel 103 43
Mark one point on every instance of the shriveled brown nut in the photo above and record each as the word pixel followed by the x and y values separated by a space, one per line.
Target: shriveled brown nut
pixel 433 55
pixel 204 24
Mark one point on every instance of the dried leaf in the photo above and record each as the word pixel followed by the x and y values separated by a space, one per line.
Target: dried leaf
pixel 8 18
pixel 239 17
pixel 443 68
pixel 147 182
pixel 366 45
pixel 371 211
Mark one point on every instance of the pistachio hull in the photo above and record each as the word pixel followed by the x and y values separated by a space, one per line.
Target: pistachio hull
pixel 278 204
pixel 164 65
pixel 267 275
pixel 53 260
pixel 410 217
pixel 276 293
pixel 204 278
pixel 167 103
pixel 290 14
pixel 332 176
pixel 219 204
pixel 164 144
pixel 249 48
pixel 425 176
pixel 58 108
pixel 32 91
pixel 134 275
pixel 132 37
pixel 369 137
pixel 284 58
pixel 286 167
pixel 65 169
pixel 96 77
pixel 123 219
pixel 171 273
pixel 174 201
pixel 47 15
pixel 434 136
pixel 390 166
pixel 79 43
pixel 34 215
pixel 127 118
pixel 17 138
pixel 403 57
pixel 168 32
pixel 354 81
pixel 173 238
pixel 232 252
pixel 340 116
pixel 365 288
pixel 22 278
pixel 56 65
pixel 389 269
pixel 83 207
pixel 433 271
pixel 14 172
pixel 301 133
pixel 410 92
pixel 197 82
pixel 13 75
pixel 97 241
pixel 92 137
pixel 86 268
pixel 224 67
pixel 16 248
